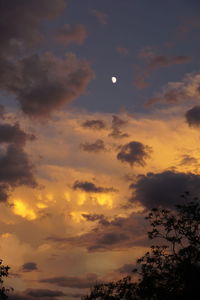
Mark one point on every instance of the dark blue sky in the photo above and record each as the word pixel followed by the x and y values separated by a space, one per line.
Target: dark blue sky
pixel 135 25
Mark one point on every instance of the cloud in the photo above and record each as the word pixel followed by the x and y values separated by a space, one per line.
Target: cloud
pixel 97 146
pixel 43 293
pixel 134 153
pixel 101 16
pixel 29 266
pixel 2 112
pixel 14 35
pixel 94 124
pixel 155 62
pixel 41 83
pixel 117 123
pixel 193 116
pixel 93 217
pixel 175 92
pixel 15 167
pixel 90 187
pixel 72 282
pixel 72 34
pixel 44 83
pixel 117 233
pixel 13 134
pixel 159 61
pixel 31 294
pixel 188 160
pixel 122 50
pixel 164 189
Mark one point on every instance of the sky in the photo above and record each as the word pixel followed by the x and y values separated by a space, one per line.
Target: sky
pixel 83 159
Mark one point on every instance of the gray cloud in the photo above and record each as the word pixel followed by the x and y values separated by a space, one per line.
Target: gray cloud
pixel 72 34
pixel 164 189
pixel 193 116
pixel 43 83
pixel 29 266
pixel 72 282
pixel 13 134
pixel 14 35
pixel 90 187
pixel 97 146
pixel 176 92
pixel 15 167
pixel 94 124
pixel 134 153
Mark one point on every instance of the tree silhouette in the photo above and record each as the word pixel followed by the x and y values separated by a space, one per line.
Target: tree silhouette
pixel 169 271
pixel 3 273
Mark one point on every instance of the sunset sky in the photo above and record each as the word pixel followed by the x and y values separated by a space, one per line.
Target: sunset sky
pixel 82 159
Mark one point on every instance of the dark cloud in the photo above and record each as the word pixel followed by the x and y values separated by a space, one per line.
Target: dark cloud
pixel 112 238
pixel 31 294
pixel 43 293
pixel 188 160
pixel 94 124
pixel 134 153
pixel 101 16
pixel 20 22
pixel 97 146
pixel 118 134
pixel 122 50
pixel 93 217
pixel 20 296
pixel 117 123
pixel 164 189
pixel 15 167
pixel 90 187
pixel 72 282
pixel 2 112
pixel 193 116
pixel 127 268
pixel 117 233
pixel 72 34
pixel 102 220
pixel 13 134
pixel 29 266
pixel 43 83
pixel 176 92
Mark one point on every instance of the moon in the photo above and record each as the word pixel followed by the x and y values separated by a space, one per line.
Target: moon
pixel 114 79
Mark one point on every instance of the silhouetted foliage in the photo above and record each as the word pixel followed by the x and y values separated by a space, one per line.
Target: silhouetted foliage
pixel 3 273
pixel 170 271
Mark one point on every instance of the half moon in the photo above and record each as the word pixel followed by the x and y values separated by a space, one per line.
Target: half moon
pixel 114 79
